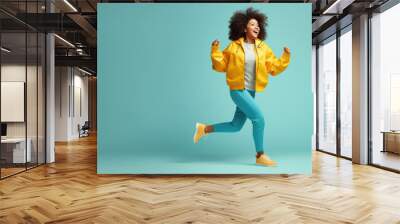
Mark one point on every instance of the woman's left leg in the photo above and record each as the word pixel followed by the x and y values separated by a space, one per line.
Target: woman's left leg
pixel 244 99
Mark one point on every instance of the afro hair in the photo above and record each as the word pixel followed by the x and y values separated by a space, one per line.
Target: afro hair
pixel 239 20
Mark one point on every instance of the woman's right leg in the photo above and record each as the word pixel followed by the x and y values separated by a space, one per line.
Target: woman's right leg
pixel 233 126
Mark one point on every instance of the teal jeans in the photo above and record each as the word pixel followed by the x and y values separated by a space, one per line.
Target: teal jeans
pixel 246 107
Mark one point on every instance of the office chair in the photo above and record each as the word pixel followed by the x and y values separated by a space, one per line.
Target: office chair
pixel 84 130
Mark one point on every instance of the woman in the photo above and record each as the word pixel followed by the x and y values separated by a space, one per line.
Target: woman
pixel 247 62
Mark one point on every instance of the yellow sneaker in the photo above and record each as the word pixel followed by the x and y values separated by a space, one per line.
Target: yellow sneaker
pixel 264 160
pixel 200 132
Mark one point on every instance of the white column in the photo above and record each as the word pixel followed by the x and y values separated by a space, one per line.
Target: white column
pixel 360 90
pixel 50 91
pixel 50 110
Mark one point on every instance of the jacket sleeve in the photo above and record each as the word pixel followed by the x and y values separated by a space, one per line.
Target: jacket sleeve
pixel 219 59
pixel 275 65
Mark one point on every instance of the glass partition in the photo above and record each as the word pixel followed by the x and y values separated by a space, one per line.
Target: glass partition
pixel 32 95
pixel 22 78
pixel 14 151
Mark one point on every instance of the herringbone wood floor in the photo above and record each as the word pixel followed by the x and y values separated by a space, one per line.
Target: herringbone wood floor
pixel 70 191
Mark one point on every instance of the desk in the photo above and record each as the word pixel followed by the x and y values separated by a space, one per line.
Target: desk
pixel 17 151
pixel 391 141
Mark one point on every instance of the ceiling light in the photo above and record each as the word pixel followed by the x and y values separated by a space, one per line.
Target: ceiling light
pixel 84 71
pixel 329 9
pixel 5 49
pixel 64 40
pixel 70 5
pixel 335 7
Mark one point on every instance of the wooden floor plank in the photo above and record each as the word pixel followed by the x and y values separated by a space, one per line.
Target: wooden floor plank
pixel 70 191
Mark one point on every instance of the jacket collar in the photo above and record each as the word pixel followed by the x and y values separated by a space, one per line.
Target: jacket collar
pixel 241 42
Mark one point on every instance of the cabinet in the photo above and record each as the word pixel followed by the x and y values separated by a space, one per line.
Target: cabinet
pixel 391 141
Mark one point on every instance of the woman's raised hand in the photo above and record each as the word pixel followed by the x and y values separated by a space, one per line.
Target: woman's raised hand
pixel 287 50
pixel 215 42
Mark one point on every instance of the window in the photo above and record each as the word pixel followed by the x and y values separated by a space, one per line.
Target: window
pixel 327 96
pixel 346 93
pixel 385 89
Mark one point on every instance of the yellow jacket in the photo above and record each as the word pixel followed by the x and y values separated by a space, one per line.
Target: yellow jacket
pixel 231 61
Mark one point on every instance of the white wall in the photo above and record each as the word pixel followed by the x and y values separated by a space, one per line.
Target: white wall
pixel 79 117
pixel 15 72
pixel 62 81
pixel 70 83
pixel 34 125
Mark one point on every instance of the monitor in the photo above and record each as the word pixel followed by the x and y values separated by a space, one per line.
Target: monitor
pixel 3 129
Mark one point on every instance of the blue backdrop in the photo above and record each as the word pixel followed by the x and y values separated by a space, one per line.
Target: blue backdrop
pixel 155 82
